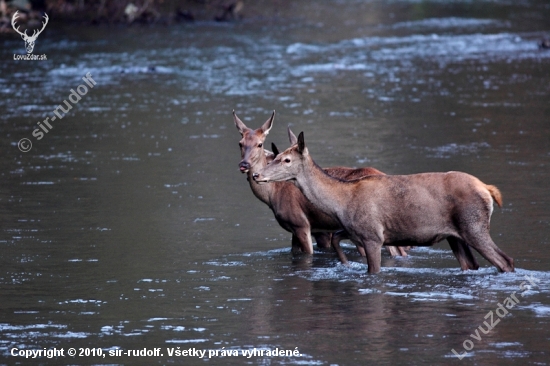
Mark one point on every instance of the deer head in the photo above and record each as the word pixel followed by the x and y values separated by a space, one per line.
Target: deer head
pixel 287 165
pixel 29 40
pixel 252 142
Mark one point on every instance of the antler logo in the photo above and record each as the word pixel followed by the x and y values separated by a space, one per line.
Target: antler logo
pixel 29 41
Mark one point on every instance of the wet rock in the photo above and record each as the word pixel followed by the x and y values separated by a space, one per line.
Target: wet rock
pixel 131 12
pixel 184 15
pixel 21 4
pixel 231 11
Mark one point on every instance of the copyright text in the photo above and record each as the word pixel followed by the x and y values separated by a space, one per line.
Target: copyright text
pixel 153 352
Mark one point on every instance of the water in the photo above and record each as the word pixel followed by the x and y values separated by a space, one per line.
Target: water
pixel 128 225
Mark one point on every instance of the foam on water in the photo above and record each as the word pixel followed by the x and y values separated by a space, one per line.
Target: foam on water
pixel 421 283
pixel 367 53
pixel 449 150
pixel 451 22
pixel 539 309
pixel 179 341
pixel 214 69
pixel 222 70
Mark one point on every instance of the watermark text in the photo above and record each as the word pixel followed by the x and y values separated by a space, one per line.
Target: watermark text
pixel 491 321
pixel 45 126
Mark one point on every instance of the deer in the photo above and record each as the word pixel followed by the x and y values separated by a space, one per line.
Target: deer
pixel 461 251
pixel 292 210
pixel 29 40
pixel 382 209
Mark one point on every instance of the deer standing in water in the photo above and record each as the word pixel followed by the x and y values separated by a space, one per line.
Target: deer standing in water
pixel 292 210
pixel 384 209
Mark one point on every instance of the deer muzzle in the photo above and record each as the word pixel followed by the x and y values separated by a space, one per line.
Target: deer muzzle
pixel 244 166
pixel 259 178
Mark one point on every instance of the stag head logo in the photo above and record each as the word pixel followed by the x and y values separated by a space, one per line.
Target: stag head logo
pixel 29 40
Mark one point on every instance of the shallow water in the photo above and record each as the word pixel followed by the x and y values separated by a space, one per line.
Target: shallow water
pixel 129 226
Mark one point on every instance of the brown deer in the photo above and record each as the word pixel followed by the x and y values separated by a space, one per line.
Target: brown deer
pixel 387 209
pixel 292 210
pixel 461 250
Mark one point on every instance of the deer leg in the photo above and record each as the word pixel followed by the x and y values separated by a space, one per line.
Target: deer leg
pixel 335 242
pixel 392 250
pixel 323 240
pixel 301 241
pixel 340 235
pixel 397 250
pixel 483 243
pixel 374 255
pixel 463 254
pixel 361 251
pixel 374 259
pixel 295 249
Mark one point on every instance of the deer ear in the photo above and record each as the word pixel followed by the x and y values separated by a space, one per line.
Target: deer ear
pixel 274 149
pixel 301 143
pixel 239 124
pixel 268 124
pixel 292 137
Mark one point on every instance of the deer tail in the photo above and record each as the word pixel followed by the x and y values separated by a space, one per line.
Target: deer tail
pixel 495 193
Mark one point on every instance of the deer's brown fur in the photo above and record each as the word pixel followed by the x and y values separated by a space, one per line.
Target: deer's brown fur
pixel 384 209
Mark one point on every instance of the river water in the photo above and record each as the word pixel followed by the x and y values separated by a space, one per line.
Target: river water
pixel 128 225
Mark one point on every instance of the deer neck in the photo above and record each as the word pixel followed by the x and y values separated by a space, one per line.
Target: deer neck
pixel 323 191
pixel 262 191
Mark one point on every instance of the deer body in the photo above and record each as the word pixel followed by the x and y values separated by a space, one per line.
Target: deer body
pixel 377 210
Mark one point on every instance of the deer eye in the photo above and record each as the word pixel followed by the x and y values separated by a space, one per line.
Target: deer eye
pixel 240 145
pixel 287 160
pixel 260 144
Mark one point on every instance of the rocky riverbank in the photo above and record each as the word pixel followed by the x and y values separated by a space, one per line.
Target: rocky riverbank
pixel 31 12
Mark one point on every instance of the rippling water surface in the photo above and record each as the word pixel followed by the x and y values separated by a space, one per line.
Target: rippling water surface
pixel 128 225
